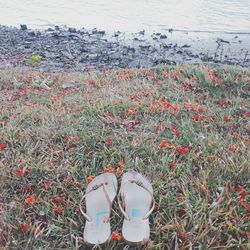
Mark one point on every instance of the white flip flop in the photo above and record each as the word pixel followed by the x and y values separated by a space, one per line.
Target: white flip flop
pixel 136 196
pixel 99 197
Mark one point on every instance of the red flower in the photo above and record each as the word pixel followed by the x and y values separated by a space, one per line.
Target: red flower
pixel 111 115
pixel 245 115
pixel 175 131
pixel 121 163
pixel 196 116
pixel 90 178
pixel 58 199
pixel 2 145
pixel 242 198
pixel 116 236
pixel 131 109
pixel 47 184
pixel 25 228
pixel 180 150
pixel 164 144
pixel 172 164
pixel 30 199
pixel 108 141
pixel 3 123
pixel 201 110
pixel 58 209
pixel 226 118
pixel 20 172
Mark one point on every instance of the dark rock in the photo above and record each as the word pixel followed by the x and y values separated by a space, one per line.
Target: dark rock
pixel 57 27
pixel 165 46
pixel 100 32
pixel 186 46
pixel 144 46
pixel 23 27
pixel 142 32
pixel 50 29
pixel 163 37
pixel 170 30
pixel 32 33
pixel 72 30
pixel 219 40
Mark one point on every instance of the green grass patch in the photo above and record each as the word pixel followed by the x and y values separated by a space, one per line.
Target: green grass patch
pixel 185 127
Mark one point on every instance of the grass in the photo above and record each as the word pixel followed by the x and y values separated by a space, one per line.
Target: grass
pixel 185 127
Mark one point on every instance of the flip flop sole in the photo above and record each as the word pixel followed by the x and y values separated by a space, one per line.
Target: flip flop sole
pixel 137 204
pixel 97 231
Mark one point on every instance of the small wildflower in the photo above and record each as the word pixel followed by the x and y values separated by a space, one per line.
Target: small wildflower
pixel 25 228
pixel 109 170
pixel 116 236
pixel 164 144
pixel 20 172
pixel 201 110
pixel 3 123
pixel 131 110
pixel 2 145
pixel 175 131
pixel 180 150
pixel 90 178
pixel 30 199
pixel 58 209
pixel 47 184
pixel 108 141
pixel 58 199
pixel 226 118
pixel 121 163
pixel 172 164
pixel 196 116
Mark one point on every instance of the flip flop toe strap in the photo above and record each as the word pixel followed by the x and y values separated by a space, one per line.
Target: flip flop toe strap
pixel 121 202
pixel 94 188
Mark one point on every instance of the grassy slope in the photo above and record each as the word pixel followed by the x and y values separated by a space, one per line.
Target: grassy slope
pixel 57 137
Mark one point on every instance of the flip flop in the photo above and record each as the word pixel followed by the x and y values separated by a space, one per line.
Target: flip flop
pixel 135 199
pixel 99 197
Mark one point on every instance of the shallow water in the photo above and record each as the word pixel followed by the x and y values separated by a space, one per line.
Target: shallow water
pixel 130 15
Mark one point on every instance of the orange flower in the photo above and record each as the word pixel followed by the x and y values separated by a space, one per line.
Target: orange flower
pixel 25 228
pixel 131 110
pixel 183 235
pixel 30 199
pixel 116 236
pixel 90 178
pixel 2 145
pixel 111 115
pixel 108 170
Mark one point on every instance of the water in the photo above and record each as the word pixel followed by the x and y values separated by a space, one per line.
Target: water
pixel 130 15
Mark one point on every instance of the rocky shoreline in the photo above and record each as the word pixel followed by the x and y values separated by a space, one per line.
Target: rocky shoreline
pixel 66 49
